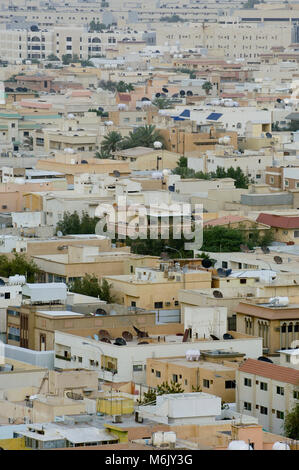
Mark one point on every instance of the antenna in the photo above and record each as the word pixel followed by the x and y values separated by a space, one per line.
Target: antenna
pixel 217 294
pixel 278 259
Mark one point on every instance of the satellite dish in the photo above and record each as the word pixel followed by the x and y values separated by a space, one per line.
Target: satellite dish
pixel 59 234
pixel 269 135
pixel 175 95
pixel 221 272
pixel 127 336
pixel 171 188
pixel 116 173
pixel 145 99
pixel 278 100
pixel 214 337
pixel 228 272
pixel 165 90
pixel 157 95
pixel 182 93
pixel 265 250
pixel 244 248
pixel 104 334
pixel 217 294
pixel 100 311
pixel 278 259
pixel 206 263
pixel 264 359
pixel 96 337
pixel 189 93
pixel 227 336
pixel 84 161
pixel 120 342
pixel 105 340
pixel 2 283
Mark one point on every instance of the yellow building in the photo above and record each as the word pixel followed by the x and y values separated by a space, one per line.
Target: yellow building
pixel 143 158
pixel 154 288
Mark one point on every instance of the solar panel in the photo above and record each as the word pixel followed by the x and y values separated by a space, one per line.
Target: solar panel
pixel 214 116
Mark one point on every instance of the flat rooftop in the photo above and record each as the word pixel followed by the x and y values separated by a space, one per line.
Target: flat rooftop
pixel 182 361
pixel 59 313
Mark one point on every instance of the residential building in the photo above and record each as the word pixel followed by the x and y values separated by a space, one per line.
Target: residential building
pixel 267 391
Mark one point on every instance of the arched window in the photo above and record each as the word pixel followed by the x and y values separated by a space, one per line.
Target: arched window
pixel 96 40
pixel 35 39
pixel 239 125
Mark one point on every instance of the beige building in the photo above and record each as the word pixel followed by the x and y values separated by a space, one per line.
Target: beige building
pixel 277 325
pixel 216 378
pixel 153 288
pixel 81 260
pixel 143 158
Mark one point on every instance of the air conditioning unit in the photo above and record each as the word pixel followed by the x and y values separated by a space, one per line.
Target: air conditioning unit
pixel 167 304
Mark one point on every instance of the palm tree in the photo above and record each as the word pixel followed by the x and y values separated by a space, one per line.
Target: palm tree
pixel 111 142
pixel 143 136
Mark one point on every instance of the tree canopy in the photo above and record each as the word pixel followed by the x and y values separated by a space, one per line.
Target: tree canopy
pixel 111 142
pixel 19 264
pixel 164 389
pixel 226 239
pixel 291 423
pixel 143 136
pixel 90 285
pixel 72 223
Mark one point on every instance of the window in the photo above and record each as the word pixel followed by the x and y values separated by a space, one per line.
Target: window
pixel 279 414
pixel 79 359
pixel 174 378
pixel 247 406
pixel 280 390
pixel 264 386
pixel 206 383
pixel 263 410
pixel 68 39
pixel 158 304
pixel 271 179
pixel 247 382
pixel 137 368
pixel 7 295
pixel 230 384
pixel 243 281
pixel 224 264
pixel 286 183
pixel 158 373
pixel 296 394
pixel 296 233
pixel 133 304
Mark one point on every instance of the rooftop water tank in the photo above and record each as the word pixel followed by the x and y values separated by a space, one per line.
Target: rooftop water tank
pixel 239 445
pixel 279 301
pixel 280 446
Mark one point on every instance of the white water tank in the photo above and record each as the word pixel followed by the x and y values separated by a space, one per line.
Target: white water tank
pixel 157 438
pixel 280 446
pixel 238 445
pixel 279 301
pixel 169 437
pixel 17 279
pixel 192 355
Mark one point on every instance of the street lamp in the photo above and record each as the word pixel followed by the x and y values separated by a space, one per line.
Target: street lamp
pixel 170 248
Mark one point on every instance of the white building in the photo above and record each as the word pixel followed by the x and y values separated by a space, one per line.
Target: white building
pixel 267 391
pixel 183 408
pixel 128 362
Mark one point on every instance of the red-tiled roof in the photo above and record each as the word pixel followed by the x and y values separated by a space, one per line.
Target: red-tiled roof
pixel 271 371
pixel 279 221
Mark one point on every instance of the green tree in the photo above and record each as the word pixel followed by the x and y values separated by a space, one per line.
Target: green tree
pixel 91 286
pixel 68 59
pixel 72 223
pixel 53 57
pixel 143 136
pixel 291 423
pixel 172 19
pixel 164 389
pixel 222 239
pixel 19 264
pixel 162 103
pixel 111 142
pixel 207 87
pixel 86 63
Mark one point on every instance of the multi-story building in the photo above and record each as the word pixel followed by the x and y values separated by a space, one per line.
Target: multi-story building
pixel 267 391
